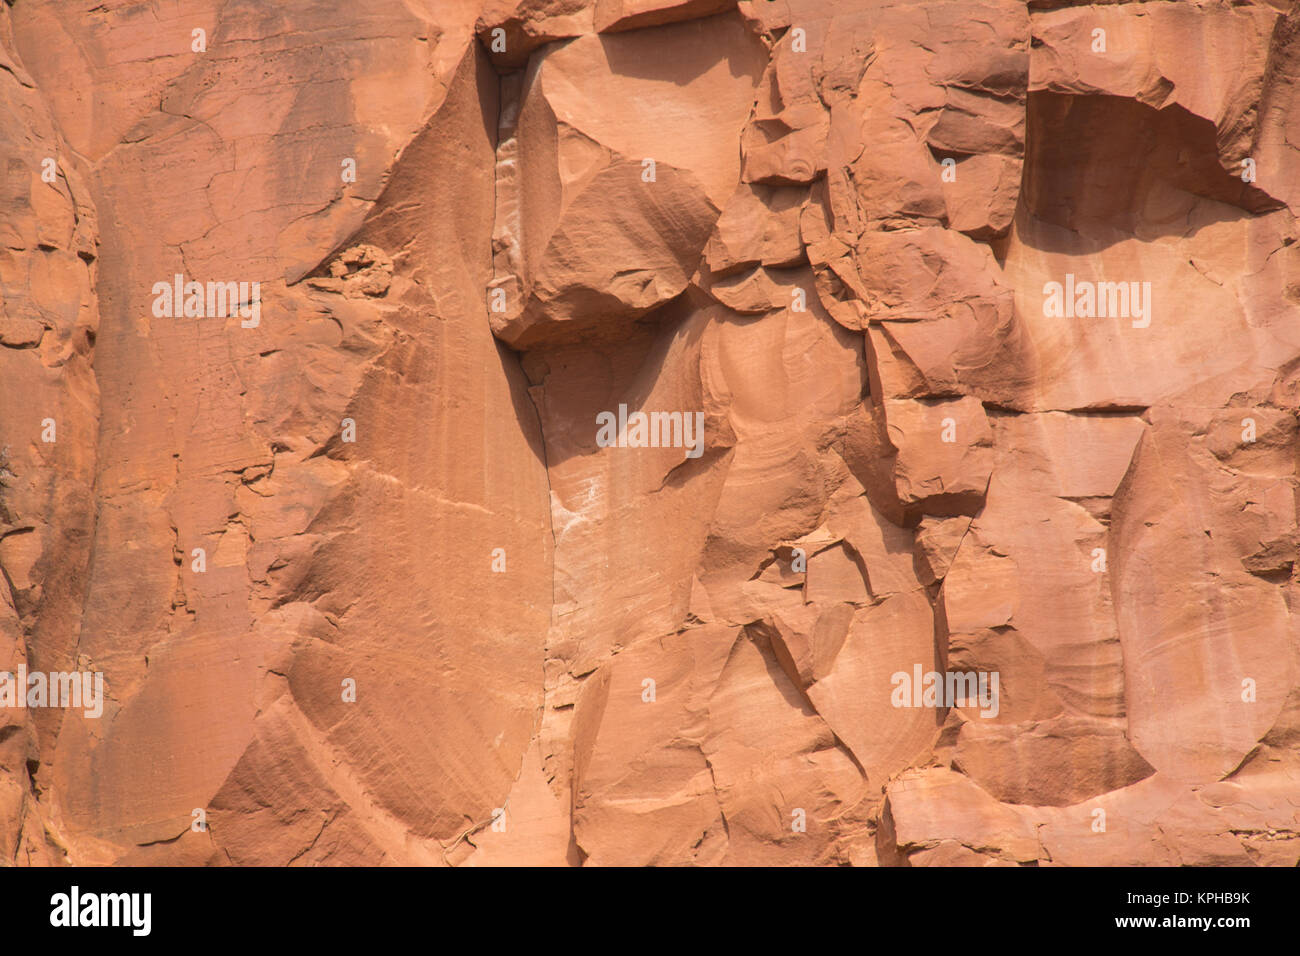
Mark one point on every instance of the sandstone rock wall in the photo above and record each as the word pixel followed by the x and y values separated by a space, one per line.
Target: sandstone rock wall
pixel 966 338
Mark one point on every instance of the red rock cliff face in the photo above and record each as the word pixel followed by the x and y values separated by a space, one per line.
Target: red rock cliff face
pixel 660 432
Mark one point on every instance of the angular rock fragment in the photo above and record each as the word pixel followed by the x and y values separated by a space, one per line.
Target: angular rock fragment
pixel 571 263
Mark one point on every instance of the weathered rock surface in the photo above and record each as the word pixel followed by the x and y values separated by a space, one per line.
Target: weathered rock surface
pixel 626 432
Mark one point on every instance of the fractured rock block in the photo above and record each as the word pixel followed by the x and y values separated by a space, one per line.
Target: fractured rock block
pixel 570 263
pixel 1048 763
pixel 944 455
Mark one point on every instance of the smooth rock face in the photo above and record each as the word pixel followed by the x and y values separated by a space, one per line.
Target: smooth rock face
pixel 651 432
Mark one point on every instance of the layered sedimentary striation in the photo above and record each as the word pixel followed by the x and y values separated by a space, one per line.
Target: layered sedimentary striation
pixel 760 432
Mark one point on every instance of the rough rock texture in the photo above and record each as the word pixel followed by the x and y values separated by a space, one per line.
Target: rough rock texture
pixel 967 339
